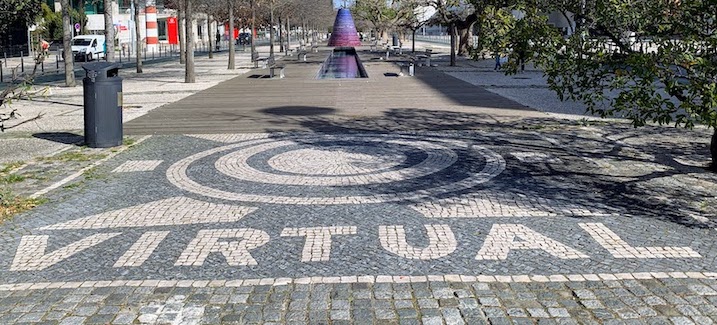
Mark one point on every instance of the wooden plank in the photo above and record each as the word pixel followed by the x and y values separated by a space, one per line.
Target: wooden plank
pixel 299 102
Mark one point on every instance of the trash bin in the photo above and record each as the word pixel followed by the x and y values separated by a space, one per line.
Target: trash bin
pixel 394 41
pixel 102 88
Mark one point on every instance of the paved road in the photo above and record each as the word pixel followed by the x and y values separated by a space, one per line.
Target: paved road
pixel 462 214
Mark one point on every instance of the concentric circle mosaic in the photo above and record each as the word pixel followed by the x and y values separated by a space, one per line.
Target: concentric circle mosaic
pixel 336 169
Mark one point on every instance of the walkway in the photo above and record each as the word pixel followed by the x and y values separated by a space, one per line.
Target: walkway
pixel 392 200
pixel 299 102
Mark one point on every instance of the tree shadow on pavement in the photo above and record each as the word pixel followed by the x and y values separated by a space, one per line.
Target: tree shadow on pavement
pixel 651 172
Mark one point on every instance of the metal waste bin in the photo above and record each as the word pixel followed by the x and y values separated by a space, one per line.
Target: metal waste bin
pixel 394 40
pixel 102 88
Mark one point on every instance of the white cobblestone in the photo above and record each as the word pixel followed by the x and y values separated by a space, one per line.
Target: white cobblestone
pixel 31 254
pixel 318 240
pixel 236 253
pixel 167 212
pixel 137 166
pixel 142 249
pixel 441 243
pixel 502 239
pixel 177 175
pixel 621 249
pixel 485 204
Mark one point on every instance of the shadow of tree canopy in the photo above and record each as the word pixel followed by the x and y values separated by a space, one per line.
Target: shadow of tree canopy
pixel 642 172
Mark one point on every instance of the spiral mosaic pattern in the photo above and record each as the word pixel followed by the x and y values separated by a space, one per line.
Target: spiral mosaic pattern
pixel 339 166
pixel 359 169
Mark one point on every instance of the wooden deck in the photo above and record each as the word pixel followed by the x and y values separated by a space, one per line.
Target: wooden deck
pixel 383 102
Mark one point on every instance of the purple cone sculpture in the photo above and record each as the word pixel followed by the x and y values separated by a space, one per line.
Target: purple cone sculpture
pixel 344 30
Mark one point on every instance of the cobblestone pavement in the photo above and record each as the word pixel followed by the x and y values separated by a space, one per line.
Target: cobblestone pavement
pixel 522 222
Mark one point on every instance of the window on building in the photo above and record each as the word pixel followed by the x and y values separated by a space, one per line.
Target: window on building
pixel 124 5
pixel 162 29
pixel 94 7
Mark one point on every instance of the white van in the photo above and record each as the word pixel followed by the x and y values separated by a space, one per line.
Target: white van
pixel 88 47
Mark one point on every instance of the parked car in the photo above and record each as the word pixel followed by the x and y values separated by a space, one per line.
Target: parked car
pixel 88 47
pixel 244 38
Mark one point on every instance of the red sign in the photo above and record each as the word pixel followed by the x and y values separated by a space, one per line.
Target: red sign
pixel 226 31
pixel 172 30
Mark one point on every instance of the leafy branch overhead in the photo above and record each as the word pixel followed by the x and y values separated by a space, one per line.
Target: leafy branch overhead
pixel 646 61
pixel 18 13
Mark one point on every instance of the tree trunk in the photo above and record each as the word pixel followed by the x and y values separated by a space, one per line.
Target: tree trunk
pixel 209 36
pixel 452 30
pixel 413 41
pixel 67 45
pixel 281 35
pixel 288 33
pixel 109 32
pixel 253 31
pixel 189 75
pixel 465 29
pixel 271 28
pixel 463 41
pixel 138 35
pixel 182 38
pixel 232 60
pixel 713 150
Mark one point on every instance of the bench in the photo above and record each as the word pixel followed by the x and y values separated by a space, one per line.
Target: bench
pixel 374 46
pixel 302 54
pixel 388 50
pixel 315 49
pixel 263 60
pixel 408 66
pixel 426 57
pixel 273 67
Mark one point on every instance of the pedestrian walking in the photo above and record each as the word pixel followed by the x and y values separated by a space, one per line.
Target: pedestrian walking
pixel 219 39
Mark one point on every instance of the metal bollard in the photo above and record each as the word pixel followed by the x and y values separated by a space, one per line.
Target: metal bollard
pixel 22 62
pixel 152 54
pixel 1 78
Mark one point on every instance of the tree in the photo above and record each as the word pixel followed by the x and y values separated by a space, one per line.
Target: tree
pixel 210 36
pixel 385 15
pixel 493 27
pixel 67 54
pixel 459 16
pixel 109 32
pixel 18 13
pixel 189 75
pixel 647 61
pixel 414 22
pixel 232 59
pixel 182 33
pixel 20 88
pixel 138 48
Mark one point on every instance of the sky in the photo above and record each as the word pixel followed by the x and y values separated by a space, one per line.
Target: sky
pixel 339 3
